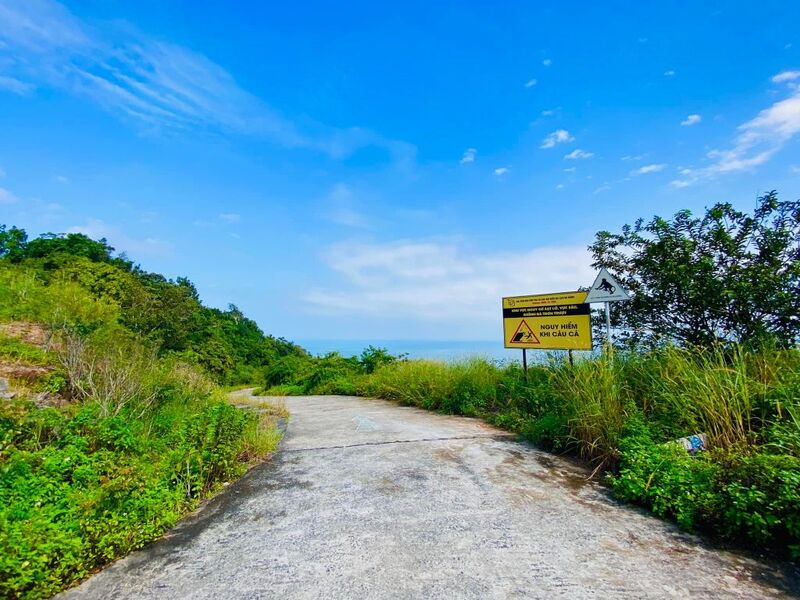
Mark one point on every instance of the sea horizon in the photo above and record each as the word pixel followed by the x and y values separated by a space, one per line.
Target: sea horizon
pixel 446 350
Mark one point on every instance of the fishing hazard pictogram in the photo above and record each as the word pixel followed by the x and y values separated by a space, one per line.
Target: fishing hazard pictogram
pixel 524 335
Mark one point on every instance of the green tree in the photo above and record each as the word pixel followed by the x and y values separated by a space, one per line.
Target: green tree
pixel 12 243
pixel 372 358
pixel 74 244
pixel 725 276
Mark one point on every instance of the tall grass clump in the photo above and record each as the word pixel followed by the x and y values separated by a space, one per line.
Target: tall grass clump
pixel 596 404
pixel 713 391
pixel 466 388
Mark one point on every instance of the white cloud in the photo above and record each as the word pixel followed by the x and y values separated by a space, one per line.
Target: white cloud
pixel 230 217
pixel 435 279
pixel 570 170
pixel 15 86
pixel 500 171
pixel 669 73
pixel 6 197
pixel 691 120
pixel 154 84
pixel 785 76
pixel 530 83
pixel 634 157
pixel 654 168
pixel 548 112
pixel 560 186
pixel 603 188
pixel 559 136
pixel 795 169
pixel 469 156
pixel 133 247
pixel 62 179
pixel 757 140
pixel 341 207
pixel 547 62
pixel 578 154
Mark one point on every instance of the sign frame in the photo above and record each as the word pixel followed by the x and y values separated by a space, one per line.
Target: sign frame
pixel 566 315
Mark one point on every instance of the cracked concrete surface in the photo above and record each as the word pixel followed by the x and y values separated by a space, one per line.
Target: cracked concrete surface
pixel 368 499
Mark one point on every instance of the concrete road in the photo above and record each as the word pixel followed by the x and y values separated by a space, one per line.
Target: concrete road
pixel 368 499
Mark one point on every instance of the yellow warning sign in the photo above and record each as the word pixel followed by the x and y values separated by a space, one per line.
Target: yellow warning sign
pixel 558 321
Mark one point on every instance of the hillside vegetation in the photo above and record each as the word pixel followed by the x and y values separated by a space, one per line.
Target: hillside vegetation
pixel 116 425
pixel 708 345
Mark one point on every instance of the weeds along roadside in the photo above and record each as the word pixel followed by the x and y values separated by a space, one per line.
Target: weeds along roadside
pixel 106 444
pixel 622 414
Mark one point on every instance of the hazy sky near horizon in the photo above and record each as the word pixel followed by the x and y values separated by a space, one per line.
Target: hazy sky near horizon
pixel 375 170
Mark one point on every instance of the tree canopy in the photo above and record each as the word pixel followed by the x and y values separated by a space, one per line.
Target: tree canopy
pixel 226 343
pixel 727 275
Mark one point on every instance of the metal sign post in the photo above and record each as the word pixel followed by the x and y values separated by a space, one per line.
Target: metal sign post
pixel 525 363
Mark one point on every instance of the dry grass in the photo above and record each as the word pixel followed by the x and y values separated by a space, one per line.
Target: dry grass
pixel 274 407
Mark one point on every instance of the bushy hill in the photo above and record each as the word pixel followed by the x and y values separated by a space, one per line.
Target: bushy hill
pixel 113 425
pixel 227 345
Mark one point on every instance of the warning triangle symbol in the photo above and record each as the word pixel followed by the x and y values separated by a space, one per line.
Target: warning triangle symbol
pixel 606 288
pixel 524 335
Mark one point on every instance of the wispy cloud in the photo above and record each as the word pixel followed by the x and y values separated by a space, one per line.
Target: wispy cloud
pixel 634 157
pixel 153 84
pixel 122 242
pixel 547 62
pixel 15 86
pixel 230 217
pixel 420 278
pixel 559 136
pixel 785 76
pixel 757 140
pixel 341 207
pixel 548 112
pixel 691 120
pixel 530 83
pixel 578 154
pixel 469 156
pixel 6 197
pixel 654 168
pixel 669 73
pixel 500 171
pixel 603 188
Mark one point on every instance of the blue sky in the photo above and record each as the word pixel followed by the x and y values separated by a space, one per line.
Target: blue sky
pixel 387 171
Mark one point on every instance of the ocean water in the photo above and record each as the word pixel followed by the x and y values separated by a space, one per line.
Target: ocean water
pixel 447 350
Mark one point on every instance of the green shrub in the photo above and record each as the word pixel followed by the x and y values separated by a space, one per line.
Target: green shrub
pixel 549 432
pixel 760 498
pixel 665 478
pixel 78 489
